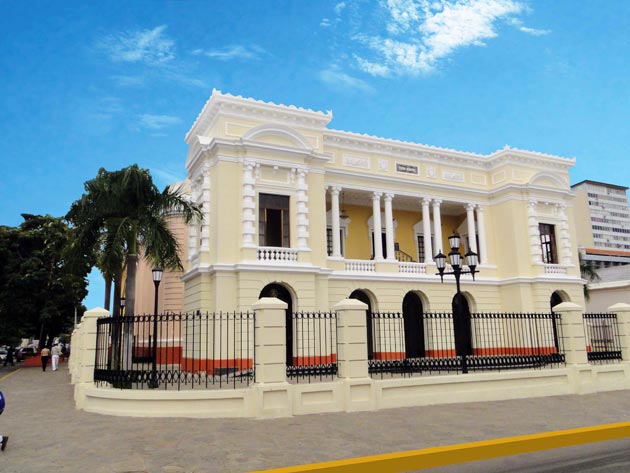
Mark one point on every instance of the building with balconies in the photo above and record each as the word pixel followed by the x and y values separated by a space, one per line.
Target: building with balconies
pixel 312 215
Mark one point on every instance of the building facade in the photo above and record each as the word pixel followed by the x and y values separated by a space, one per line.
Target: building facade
pixel 603 223
pixel 312 215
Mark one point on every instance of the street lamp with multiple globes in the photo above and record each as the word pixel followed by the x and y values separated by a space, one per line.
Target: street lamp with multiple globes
pixel 157 278
pixel 461 317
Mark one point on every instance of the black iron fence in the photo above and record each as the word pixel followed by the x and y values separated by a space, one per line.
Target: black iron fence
pixel 176 351
pixel 312 346
pixel 418 343
pixel 602 337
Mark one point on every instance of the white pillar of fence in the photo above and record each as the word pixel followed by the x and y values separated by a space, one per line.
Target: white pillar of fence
pixel 573 337
pixel 86 353
pixel 623 322
pixel 273 392
pixel 270 337
pixel 352 358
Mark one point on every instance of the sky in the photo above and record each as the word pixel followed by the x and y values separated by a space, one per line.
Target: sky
pixel 85 85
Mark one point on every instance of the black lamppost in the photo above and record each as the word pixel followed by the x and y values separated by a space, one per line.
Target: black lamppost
pixel 461 318
pixel 157 278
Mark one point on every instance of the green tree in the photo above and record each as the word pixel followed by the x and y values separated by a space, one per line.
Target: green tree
pixel 123 212
pixel 39 289
pixel 588 270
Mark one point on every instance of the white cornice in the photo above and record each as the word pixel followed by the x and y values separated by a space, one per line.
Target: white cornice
pixel 404 149
pixel 236 105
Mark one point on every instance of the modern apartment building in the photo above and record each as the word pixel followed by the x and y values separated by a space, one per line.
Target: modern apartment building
pixel 602 223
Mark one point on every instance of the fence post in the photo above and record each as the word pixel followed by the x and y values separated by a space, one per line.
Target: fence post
pixel 274 396
pixel 572 322
pixel 623 322
pixel 87 353
pixel 352 358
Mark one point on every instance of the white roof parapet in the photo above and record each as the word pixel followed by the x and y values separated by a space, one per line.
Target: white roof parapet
pixel 451 156
pixel 244 106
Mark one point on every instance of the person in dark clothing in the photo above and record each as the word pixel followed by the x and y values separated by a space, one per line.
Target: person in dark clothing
pixel 9 358
pixel 45 354
pixel 3 438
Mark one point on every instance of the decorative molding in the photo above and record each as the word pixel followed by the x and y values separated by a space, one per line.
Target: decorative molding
pixel 478 179
pixel 431 172
pixel 498 177
pixel 455 176
pixel 356 161
pixel 383 165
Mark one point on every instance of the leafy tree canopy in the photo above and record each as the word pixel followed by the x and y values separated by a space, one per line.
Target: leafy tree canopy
pixel 39 289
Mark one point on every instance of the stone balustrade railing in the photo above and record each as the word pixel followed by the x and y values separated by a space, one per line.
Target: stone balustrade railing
pixel 277 254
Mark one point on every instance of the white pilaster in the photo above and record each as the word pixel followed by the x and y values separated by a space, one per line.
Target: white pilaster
pixel 376 220
pixel 481 224
pixel 534 232
pixel 336 243
pixel 437 226
pixel 472 232
pixel 302 210
pixel 389 227
pixel 205 204
pixel 426 230
pixel 249 206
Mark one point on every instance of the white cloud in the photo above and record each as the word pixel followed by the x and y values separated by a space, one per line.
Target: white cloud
pixel 339 7
pixel 534 31
pixel 232 52
pixel 166 176
pixel 147 46
pixel 325 23
pixel 424 32
pixel 340 80
pixel 157 122
pixel 372 68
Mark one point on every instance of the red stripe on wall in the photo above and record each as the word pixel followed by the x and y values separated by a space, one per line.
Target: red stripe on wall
pixel 314 360
pixel 211 366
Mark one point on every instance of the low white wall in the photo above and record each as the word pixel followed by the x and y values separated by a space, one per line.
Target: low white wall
pixel 285 399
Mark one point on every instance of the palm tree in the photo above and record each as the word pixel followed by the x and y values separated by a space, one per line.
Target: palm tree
pixel 123 211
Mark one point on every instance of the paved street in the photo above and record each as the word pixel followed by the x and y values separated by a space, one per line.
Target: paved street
pixel 48 434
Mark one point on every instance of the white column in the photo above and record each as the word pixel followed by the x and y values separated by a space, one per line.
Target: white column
pixel 389 227
pixel 376 220
pixel 249 206
pixel 534 232
pixel 336 243
pixel 205 203
pixel 472 233
pixel 483 257
pixel 437 227
pixel 193 237
pixel 426 230
pixel 302 210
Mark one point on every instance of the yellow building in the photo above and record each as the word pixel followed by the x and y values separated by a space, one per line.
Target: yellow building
pixel 312 215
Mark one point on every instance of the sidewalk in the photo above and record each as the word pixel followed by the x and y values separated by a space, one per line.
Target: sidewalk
pixel 48 434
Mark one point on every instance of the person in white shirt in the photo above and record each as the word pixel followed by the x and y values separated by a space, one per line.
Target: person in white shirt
pixel 55 356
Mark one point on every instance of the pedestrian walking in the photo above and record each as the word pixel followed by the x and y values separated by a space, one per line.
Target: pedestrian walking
pixel 3 438
pixel 56 351
pixel 9 358
pixel 45 354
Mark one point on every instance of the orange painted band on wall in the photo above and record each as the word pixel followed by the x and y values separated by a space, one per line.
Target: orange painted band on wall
pixel 465 452
pixel 314 360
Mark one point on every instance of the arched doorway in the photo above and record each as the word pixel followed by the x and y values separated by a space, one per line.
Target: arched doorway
pixel 280 292
pixel 414 325
pixel 556 298
pixel 363 297
pixel 462 325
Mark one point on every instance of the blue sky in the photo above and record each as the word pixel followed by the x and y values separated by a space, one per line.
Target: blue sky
pixel 85 85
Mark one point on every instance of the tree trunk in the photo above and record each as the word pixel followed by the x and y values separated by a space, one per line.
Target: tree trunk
pixel 108 291
pixel 130 300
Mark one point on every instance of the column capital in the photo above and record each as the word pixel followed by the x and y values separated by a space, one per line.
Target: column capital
pixel 376 196
pixel 334 190
pixel 532 203
pixel 437 202
pixel 470 207
pixel 388 197
pixel 425 201
pixel 480 208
